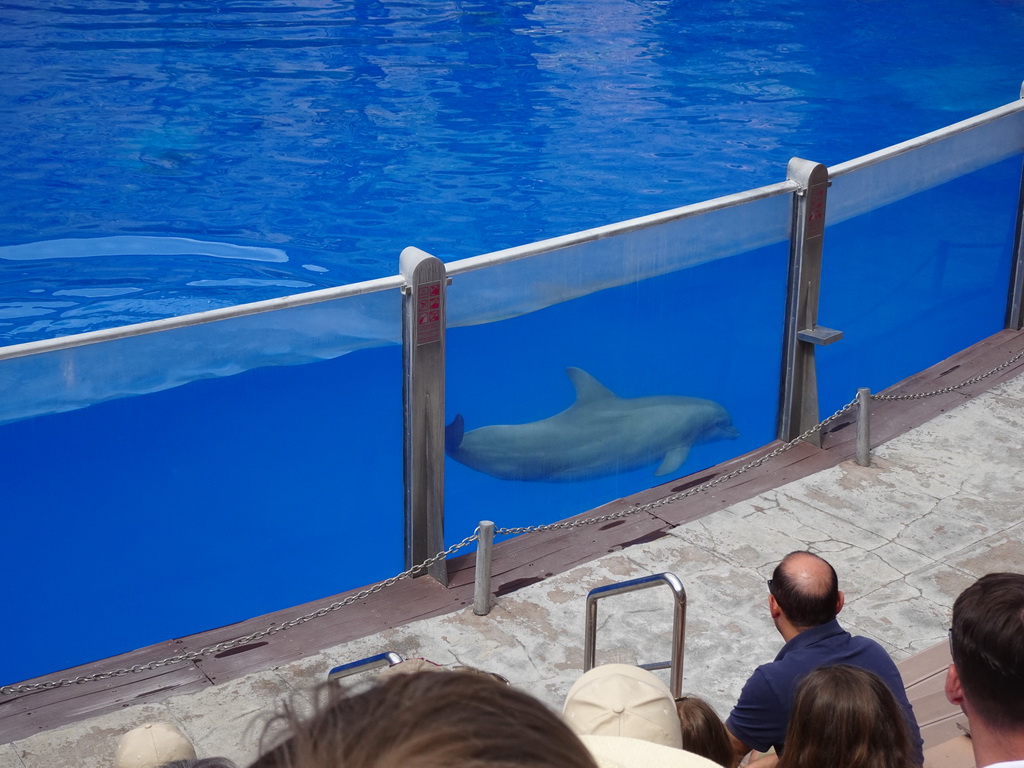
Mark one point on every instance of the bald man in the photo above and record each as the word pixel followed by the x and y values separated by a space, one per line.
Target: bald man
pixel 804 599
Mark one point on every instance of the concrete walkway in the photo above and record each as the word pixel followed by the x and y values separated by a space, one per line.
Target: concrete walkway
pixel 941 505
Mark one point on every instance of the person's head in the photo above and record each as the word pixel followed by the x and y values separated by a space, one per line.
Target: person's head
pixel 987 645
pixel 805 588
pixel 161 745
pixel 847 716
pixel 623 700
pixel 703 730
pixel 430 720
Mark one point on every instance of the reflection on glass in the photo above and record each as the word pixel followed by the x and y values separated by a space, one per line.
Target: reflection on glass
pixel 915 281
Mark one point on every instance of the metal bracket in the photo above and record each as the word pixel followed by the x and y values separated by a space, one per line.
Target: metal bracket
pixel 819 335
pixel 407 289
pixel 803 190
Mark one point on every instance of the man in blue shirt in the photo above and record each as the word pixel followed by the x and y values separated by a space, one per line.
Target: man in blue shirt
pixel 804 599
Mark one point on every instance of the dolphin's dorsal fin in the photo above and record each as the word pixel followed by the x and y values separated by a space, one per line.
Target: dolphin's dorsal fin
pixel 588 389
pixel 673 460
pixel 453 433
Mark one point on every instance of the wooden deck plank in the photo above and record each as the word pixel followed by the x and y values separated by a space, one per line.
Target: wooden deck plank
pixel 925 665
pixel 24 715
pixel 924 675
pixel 520 561
pixel 532 555
pixel 406 602
pixel 800 461
pixel 932 706
pixel 955 752
pixel 943 730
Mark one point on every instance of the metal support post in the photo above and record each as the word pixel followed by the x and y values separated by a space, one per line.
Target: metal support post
pixel 423 360
pixel 1015 300
pixel 798 407
pixel 864 427
pixel 482 572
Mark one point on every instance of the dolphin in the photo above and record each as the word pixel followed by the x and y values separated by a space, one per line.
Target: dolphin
pixel 600 434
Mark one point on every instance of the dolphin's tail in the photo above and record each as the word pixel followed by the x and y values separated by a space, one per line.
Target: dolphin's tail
pixel 453 433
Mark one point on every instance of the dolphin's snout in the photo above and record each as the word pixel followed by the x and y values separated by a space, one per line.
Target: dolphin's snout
pixel 728 432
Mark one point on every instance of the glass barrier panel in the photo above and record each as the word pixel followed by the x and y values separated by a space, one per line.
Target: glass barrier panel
pixel 919 277
pixel 141 508
pixel 894 173
pixel 608 392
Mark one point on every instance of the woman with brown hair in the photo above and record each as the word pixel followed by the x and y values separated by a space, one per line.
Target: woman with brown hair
pixel 846 717
pixel 703 731
pixel 433 719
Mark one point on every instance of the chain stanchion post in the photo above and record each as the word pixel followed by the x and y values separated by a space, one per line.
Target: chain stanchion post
pixel 864 427
pixel 482 579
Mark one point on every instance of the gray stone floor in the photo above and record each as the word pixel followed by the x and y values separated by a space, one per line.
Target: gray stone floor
pixel 940 506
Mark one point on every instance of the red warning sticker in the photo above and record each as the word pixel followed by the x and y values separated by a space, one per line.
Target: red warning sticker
pixel 428 313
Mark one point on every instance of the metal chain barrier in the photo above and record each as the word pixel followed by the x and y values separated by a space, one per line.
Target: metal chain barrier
pixel 227 645
pixel 682 494
pixel 953 388
pixel 750 465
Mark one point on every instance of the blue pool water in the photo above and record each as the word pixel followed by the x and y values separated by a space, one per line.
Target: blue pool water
pixel 328 136
pixel 173 157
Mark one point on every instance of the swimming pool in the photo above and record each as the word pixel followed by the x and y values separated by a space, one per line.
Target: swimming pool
pixel 292 470
pixel 325 137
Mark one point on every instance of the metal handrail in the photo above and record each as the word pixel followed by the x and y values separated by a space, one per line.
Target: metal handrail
pixel 509 254
pixel 855 164
pixel 201 318
pixel 394 281
pixel 386 659
pixel 690 211
pixel 678 623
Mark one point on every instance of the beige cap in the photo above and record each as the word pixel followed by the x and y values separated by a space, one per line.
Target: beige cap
pixel 623 700
pixel 624 752
pixel 152 745
pixel 411 666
